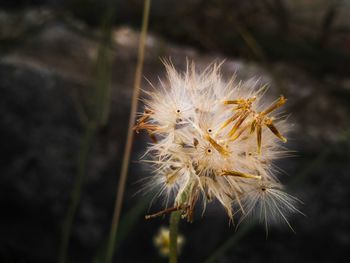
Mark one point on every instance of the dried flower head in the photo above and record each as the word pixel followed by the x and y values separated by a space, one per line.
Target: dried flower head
pixel 215 140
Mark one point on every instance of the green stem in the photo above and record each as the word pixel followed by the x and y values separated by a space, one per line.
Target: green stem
pixel 174 227
pixel 68 221
pixel 234 239
pixel 100 94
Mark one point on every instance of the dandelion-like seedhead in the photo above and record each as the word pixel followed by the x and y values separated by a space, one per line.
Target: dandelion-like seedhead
pixel 215 140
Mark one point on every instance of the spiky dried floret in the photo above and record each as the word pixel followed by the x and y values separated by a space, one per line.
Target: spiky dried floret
pixel 215 140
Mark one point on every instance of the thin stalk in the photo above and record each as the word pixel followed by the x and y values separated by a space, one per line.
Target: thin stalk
pixel 128 146
pixel 82 160
pixel 127 223
pixel 99 107
pixel 174 229
pixel 230 243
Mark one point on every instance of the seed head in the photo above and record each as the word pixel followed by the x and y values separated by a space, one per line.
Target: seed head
pixel 215 140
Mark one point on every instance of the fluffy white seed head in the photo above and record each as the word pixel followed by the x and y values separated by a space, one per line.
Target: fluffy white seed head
pixel 215 139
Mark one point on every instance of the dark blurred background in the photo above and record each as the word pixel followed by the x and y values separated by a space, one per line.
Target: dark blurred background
pixel 66 77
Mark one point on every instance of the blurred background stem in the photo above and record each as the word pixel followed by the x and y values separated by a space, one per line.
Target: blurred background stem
pixel 130 134
pixel 82 160
pixel 94 115
pixel 231 242
pixel 174 229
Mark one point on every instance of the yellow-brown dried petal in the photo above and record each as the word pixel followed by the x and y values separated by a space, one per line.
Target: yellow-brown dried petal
pixel 281 101
pixel 240 174
pixel 217 146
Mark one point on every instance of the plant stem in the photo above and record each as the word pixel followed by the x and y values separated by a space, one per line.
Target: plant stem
pixel 174 227
pixel 100 94
pixel 234 239
pixel 82 160
pixel 128 146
